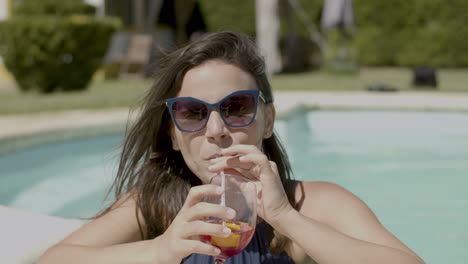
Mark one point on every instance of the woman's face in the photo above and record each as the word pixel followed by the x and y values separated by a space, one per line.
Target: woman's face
pixel 211 82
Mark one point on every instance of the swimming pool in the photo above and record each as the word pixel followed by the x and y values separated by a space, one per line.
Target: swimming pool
pixel 411 168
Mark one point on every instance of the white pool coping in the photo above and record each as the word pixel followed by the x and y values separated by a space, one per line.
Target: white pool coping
pixel 24 236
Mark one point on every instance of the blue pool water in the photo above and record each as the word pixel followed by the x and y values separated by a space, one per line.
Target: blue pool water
pixel 411 168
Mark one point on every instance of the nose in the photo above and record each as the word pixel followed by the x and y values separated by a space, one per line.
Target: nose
pixel 215 127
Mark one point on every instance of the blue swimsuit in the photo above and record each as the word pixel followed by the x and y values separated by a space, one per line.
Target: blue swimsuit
pixel 255 252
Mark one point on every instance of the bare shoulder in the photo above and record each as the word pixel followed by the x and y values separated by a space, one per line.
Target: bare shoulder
pixel 316 194
pixel 331 203
pixel 117 225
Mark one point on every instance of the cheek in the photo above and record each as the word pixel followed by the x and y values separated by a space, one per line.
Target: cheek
pixel 254 135
pixel 259 125
pixel 190 149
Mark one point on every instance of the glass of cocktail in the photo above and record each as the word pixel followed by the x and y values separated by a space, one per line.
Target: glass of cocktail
pixel 239 194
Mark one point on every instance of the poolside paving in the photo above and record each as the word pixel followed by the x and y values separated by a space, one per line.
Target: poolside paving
pixel 286 102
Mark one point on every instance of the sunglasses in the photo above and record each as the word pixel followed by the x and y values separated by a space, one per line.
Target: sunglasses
pixel 237 110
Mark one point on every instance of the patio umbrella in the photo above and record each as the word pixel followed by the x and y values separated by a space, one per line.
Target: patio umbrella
pixel 337 14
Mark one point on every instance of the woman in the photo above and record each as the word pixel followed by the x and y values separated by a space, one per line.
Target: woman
pixel 211 110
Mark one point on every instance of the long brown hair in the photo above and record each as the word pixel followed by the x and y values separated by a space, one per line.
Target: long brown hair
pixel 155 174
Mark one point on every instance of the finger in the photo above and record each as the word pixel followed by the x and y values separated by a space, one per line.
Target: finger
pixel 260 160
pixel 265 170
pixel 231 162
pixel 218 159
pixel 198 247
pixel 240 149
pixel 197 228
pixel 203 210
pixel 244 168
pixel 274 167
pixel 197 193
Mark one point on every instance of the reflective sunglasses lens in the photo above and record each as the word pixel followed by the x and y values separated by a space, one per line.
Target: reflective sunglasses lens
pixel 238 110
pixel 189 114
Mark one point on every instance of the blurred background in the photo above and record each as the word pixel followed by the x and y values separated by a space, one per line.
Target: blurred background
pixel 372 95
pixel 314 44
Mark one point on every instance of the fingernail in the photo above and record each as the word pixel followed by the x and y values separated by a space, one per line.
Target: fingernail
pixel 226 231
pixel 219 190
pixel 210 167
pixel 217 251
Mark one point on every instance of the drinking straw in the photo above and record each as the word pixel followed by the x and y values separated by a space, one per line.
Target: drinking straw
pixel 223 185
pixel 223 196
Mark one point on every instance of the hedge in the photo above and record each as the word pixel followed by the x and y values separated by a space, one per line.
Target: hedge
pixel 52 7
pixel 412 32
pixel 239 15
pixel 51 53
pixel 397 32
pixel 51 45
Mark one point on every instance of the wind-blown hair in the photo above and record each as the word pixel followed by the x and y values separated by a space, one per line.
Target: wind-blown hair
pixel 154 174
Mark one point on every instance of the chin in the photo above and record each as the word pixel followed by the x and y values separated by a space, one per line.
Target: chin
pixel 207 177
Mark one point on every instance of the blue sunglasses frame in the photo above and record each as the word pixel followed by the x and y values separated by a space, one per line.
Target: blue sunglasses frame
pixel 217 106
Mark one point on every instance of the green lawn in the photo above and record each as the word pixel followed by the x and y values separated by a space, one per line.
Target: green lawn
pixel 111 93
pixel 450 80
pixel 100 95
